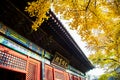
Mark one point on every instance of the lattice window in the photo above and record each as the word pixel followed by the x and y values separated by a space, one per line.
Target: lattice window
pixel 67 76
pixel 79 78
pixel 31 72
pixel 59 75
pixel 71 77
pixel 48 72
pixel 9 60
pixel 75 78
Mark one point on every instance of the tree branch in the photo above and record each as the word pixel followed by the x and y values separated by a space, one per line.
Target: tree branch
pixel 87 5
pixel 112 60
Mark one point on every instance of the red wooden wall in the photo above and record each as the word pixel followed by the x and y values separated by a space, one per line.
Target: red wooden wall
pixel 12 60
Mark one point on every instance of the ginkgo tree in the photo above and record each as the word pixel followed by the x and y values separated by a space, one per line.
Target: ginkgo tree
pixel 96 21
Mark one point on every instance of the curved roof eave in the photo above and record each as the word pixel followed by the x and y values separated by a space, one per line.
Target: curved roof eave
pixel 65 35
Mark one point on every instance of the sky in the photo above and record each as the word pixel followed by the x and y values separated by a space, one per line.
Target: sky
pixel 96 71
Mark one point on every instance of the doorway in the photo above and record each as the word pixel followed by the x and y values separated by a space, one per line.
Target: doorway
pixel 11 75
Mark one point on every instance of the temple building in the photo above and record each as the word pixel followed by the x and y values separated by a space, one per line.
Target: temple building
pixel 50 53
